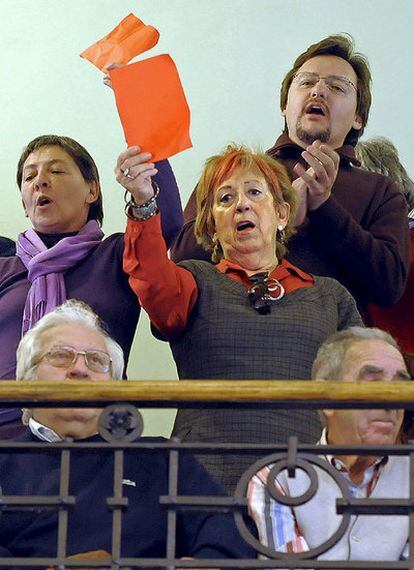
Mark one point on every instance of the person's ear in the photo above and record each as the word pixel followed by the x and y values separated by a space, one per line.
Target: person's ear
pixel 211 227
pixel 25 209
pixel 328 413
pixel 94 189
pixel 283 211
pixel 357 124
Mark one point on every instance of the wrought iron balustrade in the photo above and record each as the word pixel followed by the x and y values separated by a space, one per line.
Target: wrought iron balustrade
pixel 121 425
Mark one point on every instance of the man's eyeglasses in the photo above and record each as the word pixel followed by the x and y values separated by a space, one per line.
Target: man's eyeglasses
pixel 335 83
pixel 65 356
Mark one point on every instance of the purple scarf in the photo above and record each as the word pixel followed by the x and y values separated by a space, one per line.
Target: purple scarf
pixel 46 266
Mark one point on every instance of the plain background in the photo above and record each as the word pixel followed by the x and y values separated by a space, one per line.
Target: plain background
pixel 231 55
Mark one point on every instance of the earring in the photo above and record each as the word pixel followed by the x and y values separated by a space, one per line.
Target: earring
pixel 217 252
pixel 280 234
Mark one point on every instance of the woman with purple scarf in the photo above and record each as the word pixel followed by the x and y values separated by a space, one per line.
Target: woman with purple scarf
pixel 64 255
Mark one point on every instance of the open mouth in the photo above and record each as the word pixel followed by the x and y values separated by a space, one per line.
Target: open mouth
pixel 43 201
pixel 245 225
pixel 315 109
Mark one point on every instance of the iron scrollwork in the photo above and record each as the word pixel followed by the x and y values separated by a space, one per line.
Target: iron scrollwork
pixel 120 422
pixel 278 463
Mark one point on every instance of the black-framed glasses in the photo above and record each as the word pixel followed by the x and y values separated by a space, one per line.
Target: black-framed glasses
pixel 65 356
pixel 336 83
pixel 259 293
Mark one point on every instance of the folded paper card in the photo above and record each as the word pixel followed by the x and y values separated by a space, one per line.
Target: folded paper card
pixel 152 106
pixel 130 38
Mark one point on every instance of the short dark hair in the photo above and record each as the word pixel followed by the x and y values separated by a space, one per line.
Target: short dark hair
pixel 80 155
pixel 341 45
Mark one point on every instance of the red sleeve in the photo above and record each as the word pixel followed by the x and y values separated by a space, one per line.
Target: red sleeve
pixel 166 291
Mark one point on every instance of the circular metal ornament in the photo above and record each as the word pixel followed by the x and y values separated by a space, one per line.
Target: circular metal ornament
pixel 274 285
pixel 292 501
pixel 120 422
pixel 274 460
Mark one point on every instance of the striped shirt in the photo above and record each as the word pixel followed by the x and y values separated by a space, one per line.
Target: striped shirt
pixel 276 523
pixel 411 219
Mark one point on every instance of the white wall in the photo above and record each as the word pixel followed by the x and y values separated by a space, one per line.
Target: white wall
pixel 231 55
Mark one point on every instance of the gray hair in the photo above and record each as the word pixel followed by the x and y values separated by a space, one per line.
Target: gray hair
pixel 72 311
pixel 331 354
pixel 380 155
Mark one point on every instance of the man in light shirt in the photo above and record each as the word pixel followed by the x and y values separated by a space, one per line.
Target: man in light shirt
pixel 356 354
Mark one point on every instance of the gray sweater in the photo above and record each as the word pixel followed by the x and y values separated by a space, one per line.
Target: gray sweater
pixel 227 339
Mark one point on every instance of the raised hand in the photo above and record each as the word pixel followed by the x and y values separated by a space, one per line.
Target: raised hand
pixel 320 177
pixel 133 171
pixel 107 78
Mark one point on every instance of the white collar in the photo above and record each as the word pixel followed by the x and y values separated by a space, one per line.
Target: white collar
pixel 323 440
pixel 43 432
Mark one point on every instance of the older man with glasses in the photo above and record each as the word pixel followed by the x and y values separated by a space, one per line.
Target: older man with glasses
pixel 351 224
pixel 70 344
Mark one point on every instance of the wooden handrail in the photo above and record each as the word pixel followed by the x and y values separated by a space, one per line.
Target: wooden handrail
pixel 171 393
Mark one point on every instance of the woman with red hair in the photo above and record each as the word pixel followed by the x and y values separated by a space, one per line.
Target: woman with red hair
pixel 252 315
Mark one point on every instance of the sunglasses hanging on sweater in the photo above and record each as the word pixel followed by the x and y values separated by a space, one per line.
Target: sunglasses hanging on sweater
pixel 260 293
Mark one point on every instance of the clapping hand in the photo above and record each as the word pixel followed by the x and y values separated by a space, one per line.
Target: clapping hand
pixel 317 181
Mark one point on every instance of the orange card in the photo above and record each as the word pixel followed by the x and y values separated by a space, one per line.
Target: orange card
pixel 130 38
pixel 152 106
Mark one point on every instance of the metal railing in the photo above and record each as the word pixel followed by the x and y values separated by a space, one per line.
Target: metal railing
pixel 121 425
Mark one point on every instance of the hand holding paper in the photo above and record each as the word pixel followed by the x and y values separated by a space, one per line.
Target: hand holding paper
pixel 133 171
pixel 149 95
pixel 107 78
